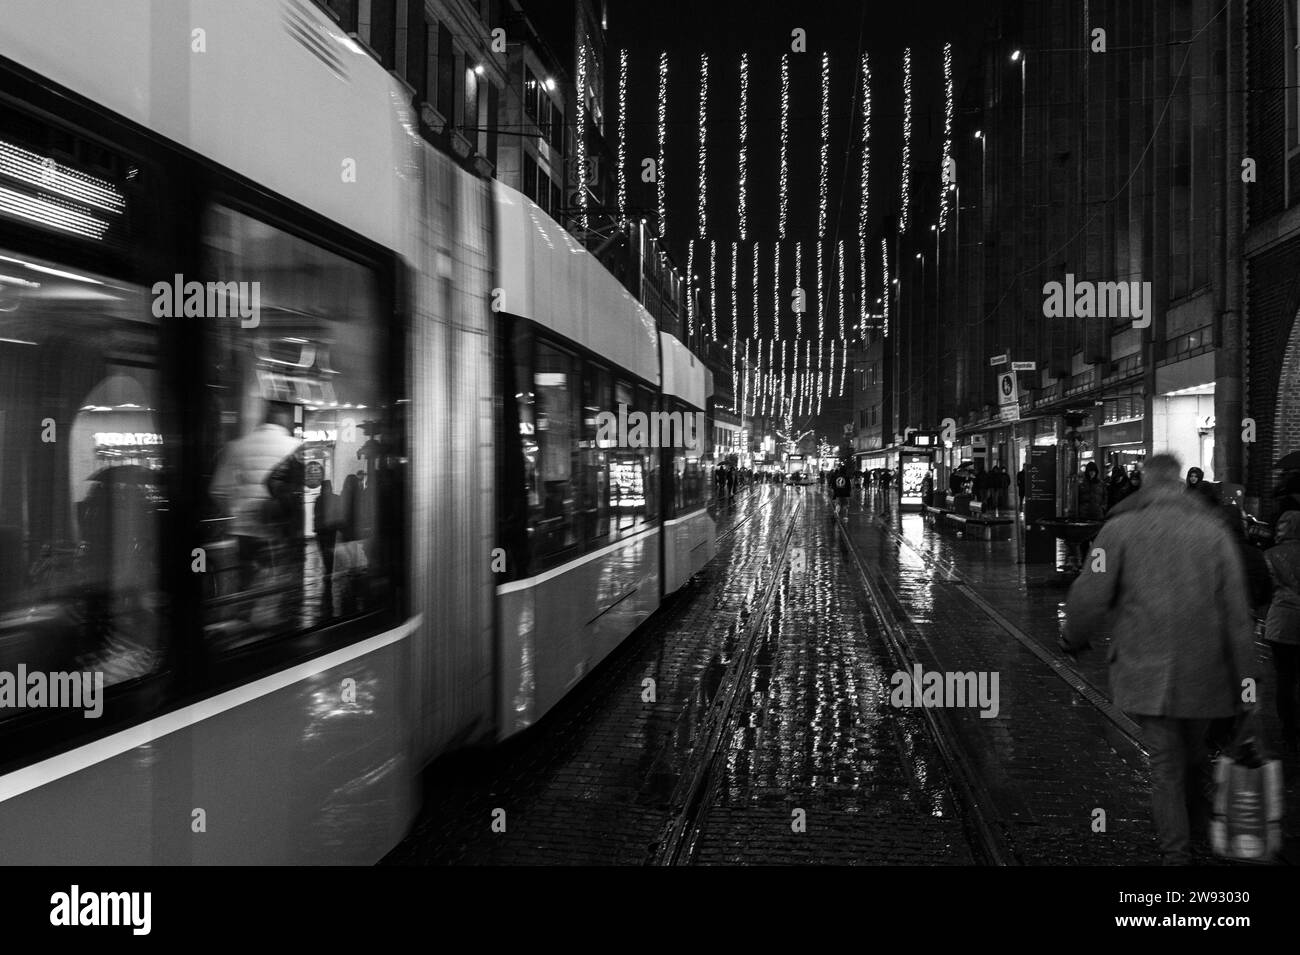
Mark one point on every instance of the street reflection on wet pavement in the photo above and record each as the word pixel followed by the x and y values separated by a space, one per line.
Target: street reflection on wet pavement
pixel 815 766
pixel 771 738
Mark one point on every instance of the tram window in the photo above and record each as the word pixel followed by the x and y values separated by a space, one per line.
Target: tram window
pixel 81 496
pixel 687 478
pixel 650 514
pixel 304 463
pixel 627 470
pixel 556 394
pixel 595 463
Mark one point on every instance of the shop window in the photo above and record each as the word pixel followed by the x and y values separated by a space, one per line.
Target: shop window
pixel 81 482
pixel 302 527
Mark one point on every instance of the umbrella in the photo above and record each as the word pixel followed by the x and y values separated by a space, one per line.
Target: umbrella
pixel 1290 462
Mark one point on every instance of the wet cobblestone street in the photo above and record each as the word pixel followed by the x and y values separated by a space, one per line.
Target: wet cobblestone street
pixel 771 737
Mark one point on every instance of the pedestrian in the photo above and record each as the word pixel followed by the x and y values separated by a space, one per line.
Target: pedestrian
pixel 1117 487
pixel 981 484
pixel 1169 585
pixel 1091 504
pixel 1020 485
pixel 1282 626
pixel 1196 485
pixel 327 513
pixel 927 487
pixel 841 487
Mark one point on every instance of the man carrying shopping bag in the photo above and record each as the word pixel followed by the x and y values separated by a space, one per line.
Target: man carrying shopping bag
pixel 1167 578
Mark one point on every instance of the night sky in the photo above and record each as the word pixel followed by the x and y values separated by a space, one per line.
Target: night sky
pixel 685 29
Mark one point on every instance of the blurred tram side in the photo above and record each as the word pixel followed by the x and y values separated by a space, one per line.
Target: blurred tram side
pixel 270 465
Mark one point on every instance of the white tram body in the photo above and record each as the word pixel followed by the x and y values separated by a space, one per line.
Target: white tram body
pixel 313 756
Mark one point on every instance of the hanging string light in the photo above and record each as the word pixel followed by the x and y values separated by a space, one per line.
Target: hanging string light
pixel 690 285
pixel 844 364
pixel 821 324
pixel 713 290
pixel 840 296
pixel 735 323
pixel 704 131
pixel 753 286
pixel 823 188
pixel 804 377
pixel 744 138
pixel 798 283
pixel 663 140
pixel 580 139
pixel 776 294
pixel 735 306
pixel 749 376
pixel 907 140
pixel 622 136
pixel 821 374
pixel 947 136
pixel 884 263
pixel 785 141
pixel 865 191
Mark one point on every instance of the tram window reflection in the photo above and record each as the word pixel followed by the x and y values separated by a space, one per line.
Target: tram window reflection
pixel 555 526
pixel 304 491
pixel 81 487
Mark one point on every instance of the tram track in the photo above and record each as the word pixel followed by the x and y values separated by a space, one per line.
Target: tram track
pixel 988 830
pixel 1068 674
pixel 693 795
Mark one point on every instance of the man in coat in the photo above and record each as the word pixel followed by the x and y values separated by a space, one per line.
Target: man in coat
pixel 1167 578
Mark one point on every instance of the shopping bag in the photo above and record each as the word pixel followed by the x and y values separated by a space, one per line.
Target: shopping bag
pixel 1246 824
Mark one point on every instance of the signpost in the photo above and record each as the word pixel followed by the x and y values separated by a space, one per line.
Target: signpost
pixel 1040 503
pixel 1008 396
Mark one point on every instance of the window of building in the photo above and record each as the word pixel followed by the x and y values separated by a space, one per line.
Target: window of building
pixel 532 97
pixel 469 118
pixel 345 11
pixel 447 58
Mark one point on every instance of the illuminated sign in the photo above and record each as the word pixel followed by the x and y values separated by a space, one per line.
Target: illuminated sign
pixel 125 439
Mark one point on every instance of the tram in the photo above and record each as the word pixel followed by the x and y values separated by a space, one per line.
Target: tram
pixel 327 515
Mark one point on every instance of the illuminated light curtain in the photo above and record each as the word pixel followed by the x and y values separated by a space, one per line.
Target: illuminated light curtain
pixel 744 141
pixel 865 190
pixel 704 135
pixel 660 176
pixel 907 142
pixel 690 279
pixel 622 137
pixel 580 138
pixel 947 135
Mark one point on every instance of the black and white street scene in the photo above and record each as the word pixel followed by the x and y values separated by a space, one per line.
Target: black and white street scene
pixel 634 433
